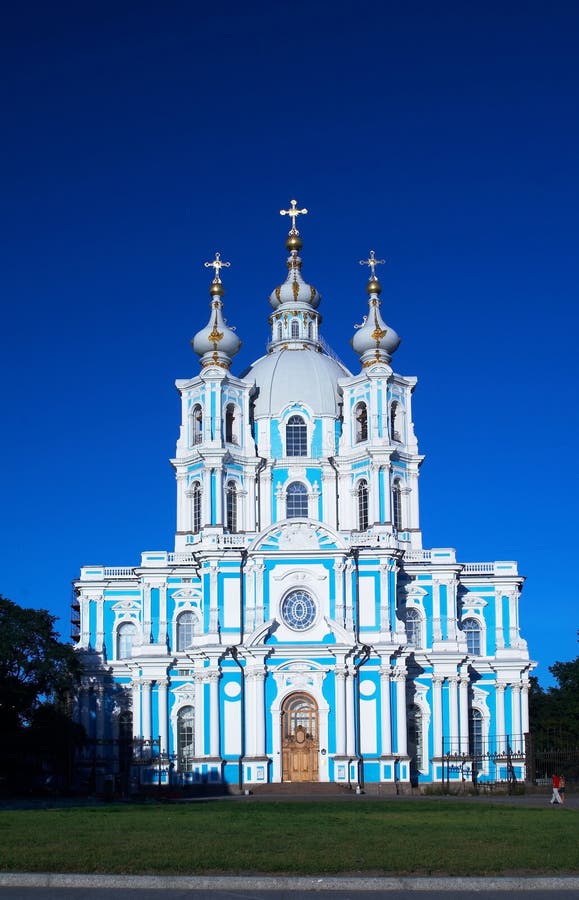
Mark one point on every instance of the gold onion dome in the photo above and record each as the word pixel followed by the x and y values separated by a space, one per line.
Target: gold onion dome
pixel 216 344
pixel 374 341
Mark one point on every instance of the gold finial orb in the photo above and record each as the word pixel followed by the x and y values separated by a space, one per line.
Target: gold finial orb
pixel 374 286
pixel 294 241
pixel 216 289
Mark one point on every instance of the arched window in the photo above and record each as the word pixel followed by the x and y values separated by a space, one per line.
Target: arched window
pixel 472 631
pixel 125 635
pixel 186 738
pixel 311 331
pixel 230 436
pixel 185 630
pixel 397 505
pixel 196 507
pixel 475 734
pixel 395 423
pixel 279 332
pixel 414 628
pixel 361 422
pixel 196 425
pixel 362 493
pixel 296 437
pixel 295 328
pixel 415 739
pixel 297 501
pixel 231 506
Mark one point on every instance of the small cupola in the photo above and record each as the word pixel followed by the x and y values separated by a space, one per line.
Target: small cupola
pixel 217 343
pixel 374 341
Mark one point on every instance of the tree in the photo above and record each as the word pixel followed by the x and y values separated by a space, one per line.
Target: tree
pixel 554 713
pixel 35 667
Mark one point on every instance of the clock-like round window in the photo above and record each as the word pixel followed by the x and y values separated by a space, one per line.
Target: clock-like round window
pixel 298 610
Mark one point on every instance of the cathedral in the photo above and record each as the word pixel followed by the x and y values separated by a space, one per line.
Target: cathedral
pixel 299 631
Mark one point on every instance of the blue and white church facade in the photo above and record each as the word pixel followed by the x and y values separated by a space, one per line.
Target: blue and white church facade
pixel 299 631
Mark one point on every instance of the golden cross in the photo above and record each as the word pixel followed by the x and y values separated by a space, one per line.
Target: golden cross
pixel 372 262
pixel 293 213
pixel 217 265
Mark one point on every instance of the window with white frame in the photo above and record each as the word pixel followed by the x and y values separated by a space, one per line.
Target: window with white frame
pixel 472 630
pixel 196 425
pixel 397 505
pixel 196 507
pixel 185 630
pixel 126 633
pixel 296 437
pixel 361 422
pixel 296 500
pixel 413 624
pixel 395 421
pixel 231 506
pixel 415 737
pixel 310 330
pixel 295 328
pixel 475 734
pixel 362 494
pixel 230 436
pixel 279 332
pixel 185 738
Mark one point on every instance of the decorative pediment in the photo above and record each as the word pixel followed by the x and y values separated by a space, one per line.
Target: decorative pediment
pixel 261 634
pixel 342 635
pixel 298 536
pixel 472 601
pixel 126 607
pixel 300 575
pixel 413 593
pixel 189 597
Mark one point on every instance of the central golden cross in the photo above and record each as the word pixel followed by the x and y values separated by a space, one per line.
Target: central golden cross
pixel 372 262
pixel 293 213
pixel 217 264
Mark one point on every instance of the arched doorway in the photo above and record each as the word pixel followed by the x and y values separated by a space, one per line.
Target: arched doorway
pixel 299 738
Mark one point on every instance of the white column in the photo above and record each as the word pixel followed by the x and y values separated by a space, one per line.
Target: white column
pixel 214 715
pixel 329 497
pixel 163 614
pixel 259 712
pixel 525 709
pixel 339 566
pixel 349 602
pixel 219 489
pixel 136 688
pixel 437 713
pixel 146 613
pixel 163 722
pixel 499 634
pixel 500 716
pixel 401 727
pixel 85 709
pixel 453 714
pixel 513 619
pixel 265 497
pixel 413 505
pixel 350 726
pixel 463 703
pixel 259 605
pixel 374 498
pixel 437 633
pixel 249 712
pixel 100 697
pixel 182 520
pixel 451 624
pixel 213 602
pixel 84 622
pixel 206 494
pixel 147 710
pixel 199 742
pixel 100 628
pixel 516 739
pixel 249 597
pixel 249 509
pixel 340 682
pixel 385 710
pixel 384 597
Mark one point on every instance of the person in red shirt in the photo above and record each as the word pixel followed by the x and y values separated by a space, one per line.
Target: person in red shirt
pixel 556 797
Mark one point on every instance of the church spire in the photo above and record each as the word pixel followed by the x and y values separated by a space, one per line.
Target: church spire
pixel 374 341
pixel 295 321
pixel 216 344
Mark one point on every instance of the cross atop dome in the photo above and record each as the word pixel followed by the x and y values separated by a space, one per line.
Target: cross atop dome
pixel 217 264
pixel 372 262
pixel 293 213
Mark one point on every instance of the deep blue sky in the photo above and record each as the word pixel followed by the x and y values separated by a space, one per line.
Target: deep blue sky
pixel 138 138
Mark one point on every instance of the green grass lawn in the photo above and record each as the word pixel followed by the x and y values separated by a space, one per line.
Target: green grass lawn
pixel 380 837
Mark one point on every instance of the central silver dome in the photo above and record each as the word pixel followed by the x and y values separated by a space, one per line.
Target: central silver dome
pixel 290 376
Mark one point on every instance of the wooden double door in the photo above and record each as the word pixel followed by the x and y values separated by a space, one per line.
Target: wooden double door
pixel 299 738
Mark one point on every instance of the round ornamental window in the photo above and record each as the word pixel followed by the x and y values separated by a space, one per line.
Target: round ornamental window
pixel 298 610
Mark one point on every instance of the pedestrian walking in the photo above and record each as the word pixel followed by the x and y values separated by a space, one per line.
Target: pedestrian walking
pixel 556 797
pixel 562 788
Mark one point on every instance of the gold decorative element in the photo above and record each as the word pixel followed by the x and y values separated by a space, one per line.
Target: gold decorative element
pixel 277 293
pixel 217 264
pixel 215 335
pixel 295 289
pixel 378 334
pixel 293 213
pixel 372 262
pixel 312 292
